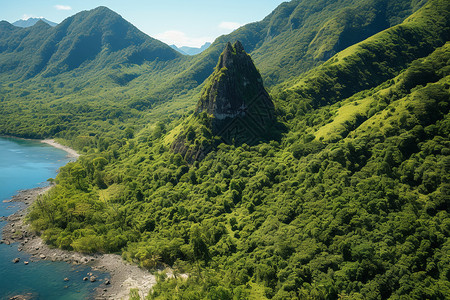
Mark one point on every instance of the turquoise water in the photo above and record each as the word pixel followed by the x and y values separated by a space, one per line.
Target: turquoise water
pixel 26 164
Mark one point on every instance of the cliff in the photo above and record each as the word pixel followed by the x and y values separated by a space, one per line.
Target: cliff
pixel 234 107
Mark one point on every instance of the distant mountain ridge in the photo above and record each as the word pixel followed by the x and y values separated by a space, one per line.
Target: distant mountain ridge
pixel 299 35
pixel 31 21
pixel 191 50
pixel 294 38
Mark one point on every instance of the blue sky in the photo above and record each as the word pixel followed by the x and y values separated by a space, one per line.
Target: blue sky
pixel 180 22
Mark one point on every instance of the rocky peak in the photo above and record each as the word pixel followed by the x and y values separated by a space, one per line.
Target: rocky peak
pixel 235 97
pixel 234 108
pixel 226 59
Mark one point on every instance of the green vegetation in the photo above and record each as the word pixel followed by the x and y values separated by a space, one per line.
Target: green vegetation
pixel 307 33
pixel 364 216
pixel 95 68
pixel 352 201
pixel 371 62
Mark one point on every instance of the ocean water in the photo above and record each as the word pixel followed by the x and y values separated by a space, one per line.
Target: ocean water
pixel 26 164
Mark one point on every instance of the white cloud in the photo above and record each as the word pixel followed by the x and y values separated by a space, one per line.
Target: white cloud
pixel 26 17
pixel 229 25
pixel 181 39
pixel 63 7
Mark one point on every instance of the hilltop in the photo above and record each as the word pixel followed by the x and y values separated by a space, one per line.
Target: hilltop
pixel 92 38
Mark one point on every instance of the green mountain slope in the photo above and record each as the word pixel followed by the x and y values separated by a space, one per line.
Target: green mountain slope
pixel 99 37
pixel 301 34
pixel 79 74
pixel 352 202
pixel 371 62
pixel 99 61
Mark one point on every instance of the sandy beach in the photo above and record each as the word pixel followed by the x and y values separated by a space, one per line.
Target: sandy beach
pixel 123 276
pixel 70 152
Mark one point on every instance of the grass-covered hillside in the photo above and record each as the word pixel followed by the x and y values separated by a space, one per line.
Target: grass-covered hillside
pixel 352 202
pixel 372 61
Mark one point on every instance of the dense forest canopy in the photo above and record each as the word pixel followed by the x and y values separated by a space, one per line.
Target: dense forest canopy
pixel 350 200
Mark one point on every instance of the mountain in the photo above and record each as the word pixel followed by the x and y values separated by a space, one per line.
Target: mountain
pixel 191 50
pixel 299 35
pixel 94 54
pixel 307 33
pixel 282 39
pixel 96 59
pixel 349 202
pixel 174 47
pixel 117 65
pixel 234 107
pixel 31 21
pixel 397 47
pixel 91 38
pixel 235 97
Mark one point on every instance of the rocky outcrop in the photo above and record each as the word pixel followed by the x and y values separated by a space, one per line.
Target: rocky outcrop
pixel 236 100
pixel 27 296
pixel 234 108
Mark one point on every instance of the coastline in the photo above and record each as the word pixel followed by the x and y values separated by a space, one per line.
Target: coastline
pixel 123 276
pixel 70 152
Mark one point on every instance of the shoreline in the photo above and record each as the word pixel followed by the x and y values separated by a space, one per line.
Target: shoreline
pixel 123 276
pixel 70 152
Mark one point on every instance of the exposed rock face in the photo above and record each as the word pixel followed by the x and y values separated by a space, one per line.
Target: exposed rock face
pixel 234 108
pixel 235 98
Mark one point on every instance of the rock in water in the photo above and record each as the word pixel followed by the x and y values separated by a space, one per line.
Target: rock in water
pixel 27 296
pixel 234 108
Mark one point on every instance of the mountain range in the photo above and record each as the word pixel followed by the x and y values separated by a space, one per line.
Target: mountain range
pixel 99 53
pixel 281 36
pixel 31 21
pixel 191 50
pixel 302 156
